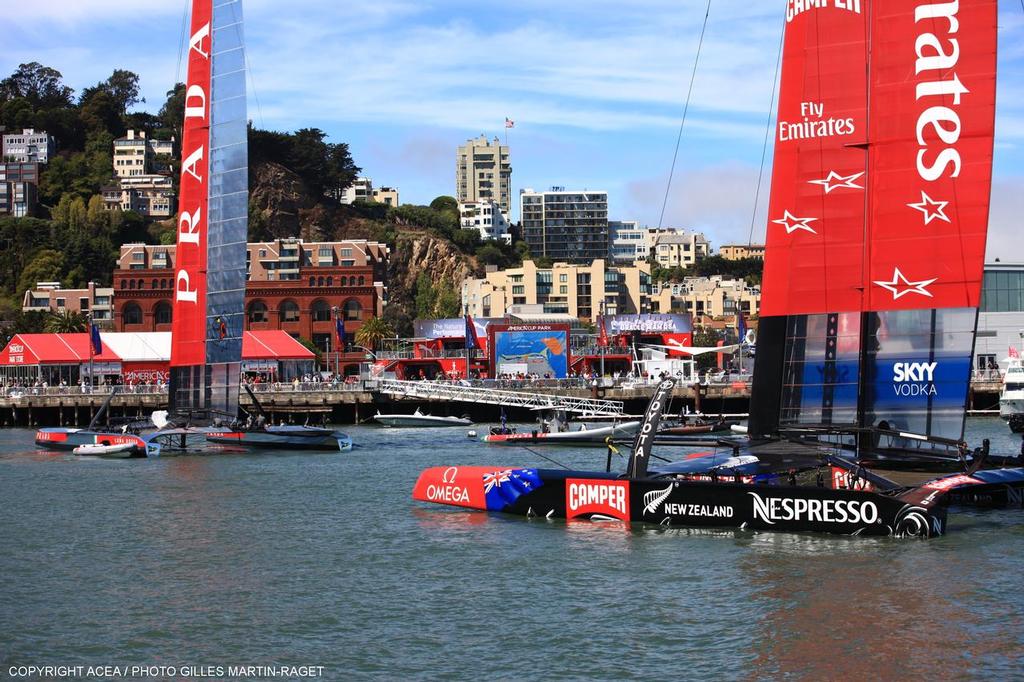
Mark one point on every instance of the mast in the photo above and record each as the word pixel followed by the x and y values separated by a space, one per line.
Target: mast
pixel 209 294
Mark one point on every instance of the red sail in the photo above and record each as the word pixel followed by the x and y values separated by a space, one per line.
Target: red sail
pixel 189 320
pixel 814 260
pixel 933 68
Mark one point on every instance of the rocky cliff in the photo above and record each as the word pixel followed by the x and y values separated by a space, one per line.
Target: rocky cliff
pixel 281 206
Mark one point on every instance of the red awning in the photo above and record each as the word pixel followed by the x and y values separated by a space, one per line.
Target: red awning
pixel 52 349
pixel 273 344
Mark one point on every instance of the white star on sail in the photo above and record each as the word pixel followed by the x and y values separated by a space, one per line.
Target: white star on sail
pixel 899 280
pixel 792 223
pixel 932 209
pixel 841 181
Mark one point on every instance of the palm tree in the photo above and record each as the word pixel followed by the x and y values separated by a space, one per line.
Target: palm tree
pixel 66 322
pixel 373 331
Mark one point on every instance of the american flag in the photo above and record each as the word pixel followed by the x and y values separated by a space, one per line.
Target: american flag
pixel 509 123
pixel 1013 352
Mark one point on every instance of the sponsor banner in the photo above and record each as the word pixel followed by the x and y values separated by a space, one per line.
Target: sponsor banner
pixel 659 503
pixel 15 353
pixel 542 349
pixel 772 509
pixel 189 321
pixel 932 72
pixel 453 328
pixel 454 485
pixel 596 497
pixel 650 323
pixel 951 482
pixel 259 365
pixel 100 368
pixel 815 232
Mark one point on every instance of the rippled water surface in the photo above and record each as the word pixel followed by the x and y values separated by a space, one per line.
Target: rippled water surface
pixel 323 559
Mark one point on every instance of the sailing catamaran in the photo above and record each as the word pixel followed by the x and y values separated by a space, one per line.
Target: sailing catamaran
pixel 875 247
pixel 209 291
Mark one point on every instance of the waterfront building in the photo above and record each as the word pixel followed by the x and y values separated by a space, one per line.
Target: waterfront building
pixel 1001 315
pixel 576 290
pixel 677 248
pixel 135 154
pixel 28 146
pixel 19 189
pixel 739 251
pixel 299 287
pixel 148 195
pixel 93 299
pixel 361 189
pixel 483 172
pixel 487 218
pixel 713 296
pixel 569 226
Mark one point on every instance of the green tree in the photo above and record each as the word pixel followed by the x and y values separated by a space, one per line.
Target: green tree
pixel 448 302
pixel 426 297
pixel 46 266
pixel 40 85
pixel 67 322
pixel 490 254
pixel 28 322
pixel 172 113
pixel 373 331
pixel 445 203
pixel 97 216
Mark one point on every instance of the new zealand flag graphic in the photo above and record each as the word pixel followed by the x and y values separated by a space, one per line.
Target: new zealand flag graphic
pixel 503 487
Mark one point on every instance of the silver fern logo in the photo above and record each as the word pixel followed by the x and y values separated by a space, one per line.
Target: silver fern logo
pixel 655 498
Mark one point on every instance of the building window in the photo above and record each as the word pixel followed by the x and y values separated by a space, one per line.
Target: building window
pixel 563 289
pixel 324 252
pixel 352 310
pixel 346 253
pixel 289 311
pixel 312 281
pixel 257 311
pixel 132 314
pixel 362 280
pixel 321 311
pixel 319 281
pixel 61 303
pixel 563 277
pixel 139 255
pixel 163 313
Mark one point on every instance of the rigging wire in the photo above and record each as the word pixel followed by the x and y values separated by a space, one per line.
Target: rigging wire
pixel 181 43
pixel 532 451
pixel 686 107
pixel 767 129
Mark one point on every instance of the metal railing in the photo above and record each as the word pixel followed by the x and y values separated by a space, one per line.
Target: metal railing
pixel 465 392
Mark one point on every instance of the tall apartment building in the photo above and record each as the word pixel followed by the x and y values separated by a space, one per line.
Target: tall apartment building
pixel 136 155
pixel 713 296
pixel 300 287
pixel 738 251
pixel 565 225
pixel 19 189
pixel 577 290
pixel 675 248
pixel 94 299
pixel 485 216
pixel 483 172
pixel 28 146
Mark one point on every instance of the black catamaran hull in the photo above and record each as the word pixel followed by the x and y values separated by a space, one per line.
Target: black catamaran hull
pixel 582 495
pixel 285 438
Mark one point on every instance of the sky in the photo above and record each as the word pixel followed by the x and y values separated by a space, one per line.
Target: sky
pixel 596 89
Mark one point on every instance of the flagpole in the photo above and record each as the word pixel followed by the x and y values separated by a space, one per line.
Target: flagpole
pixel 89 320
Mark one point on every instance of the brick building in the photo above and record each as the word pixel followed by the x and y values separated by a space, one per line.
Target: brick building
pixel 299 287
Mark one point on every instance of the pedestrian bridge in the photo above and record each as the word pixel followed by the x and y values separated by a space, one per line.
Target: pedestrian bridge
pixel 456 392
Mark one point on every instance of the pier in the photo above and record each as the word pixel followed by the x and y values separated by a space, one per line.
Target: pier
pixel 353 403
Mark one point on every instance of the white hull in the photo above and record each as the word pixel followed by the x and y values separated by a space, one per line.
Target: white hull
pixel 418 420
pixel 1010 405
pixel 119 450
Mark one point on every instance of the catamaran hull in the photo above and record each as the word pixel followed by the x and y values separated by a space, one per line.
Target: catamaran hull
pixel 595 436
pixel 63 438
pixel 329 441
pixel 579 495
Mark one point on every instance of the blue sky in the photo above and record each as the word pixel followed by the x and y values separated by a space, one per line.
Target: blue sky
pixel 596 90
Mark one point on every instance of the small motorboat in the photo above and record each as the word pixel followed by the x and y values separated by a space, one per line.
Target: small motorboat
pixel 418 419
pixel 113 450
pixel 557 431
pixel 690 428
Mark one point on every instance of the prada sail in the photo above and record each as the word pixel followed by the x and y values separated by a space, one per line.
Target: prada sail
pixel 209 295
pixel 878 215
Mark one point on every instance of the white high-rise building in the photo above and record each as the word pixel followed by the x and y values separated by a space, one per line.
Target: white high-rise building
pixel 563 225
pixel 28 146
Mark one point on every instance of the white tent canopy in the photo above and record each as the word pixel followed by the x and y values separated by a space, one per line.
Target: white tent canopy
pixel 139 346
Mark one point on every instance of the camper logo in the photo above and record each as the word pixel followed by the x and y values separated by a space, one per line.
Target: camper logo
pixel 597 498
